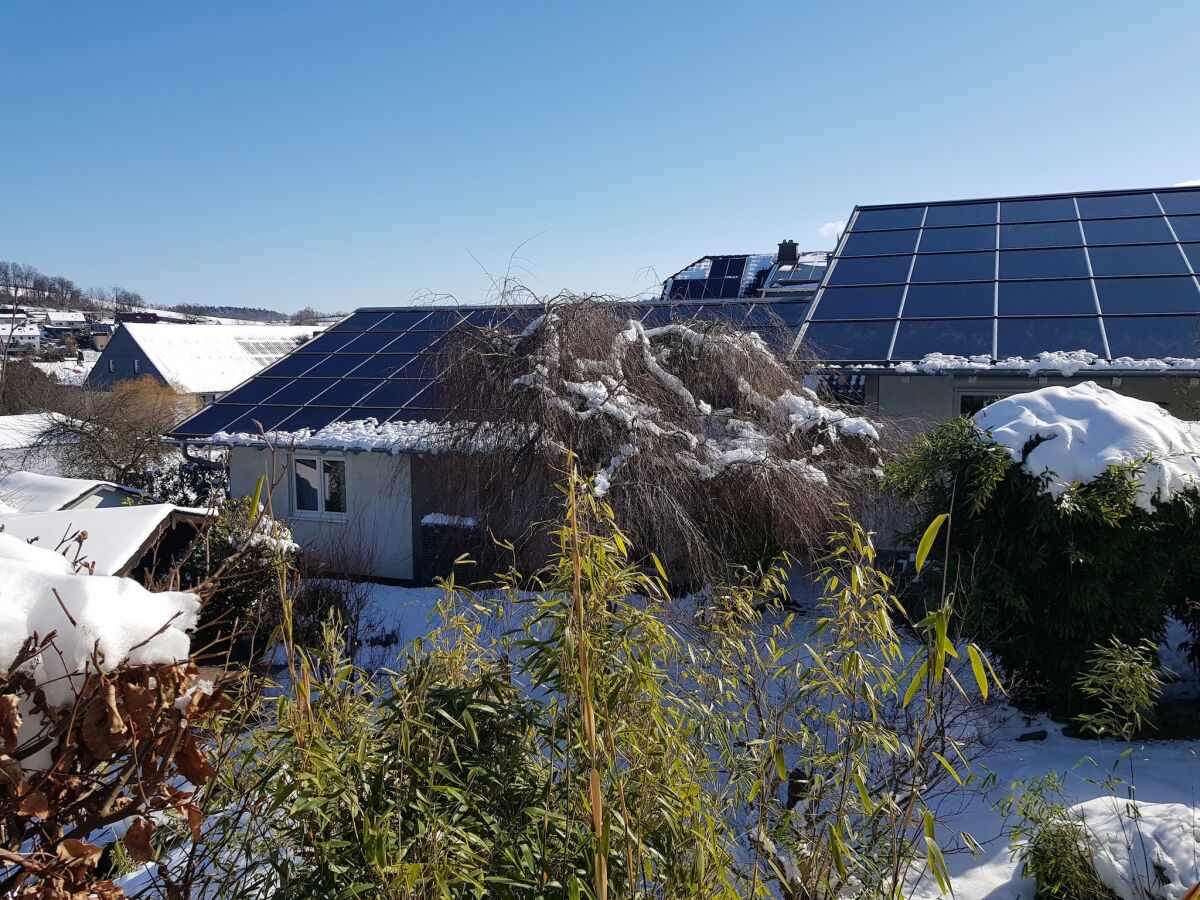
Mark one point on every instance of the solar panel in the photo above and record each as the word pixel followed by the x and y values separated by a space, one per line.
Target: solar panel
pixel 1115 273
pixel 385 364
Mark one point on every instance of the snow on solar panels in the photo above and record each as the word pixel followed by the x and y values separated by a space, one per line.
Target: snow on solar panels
pixel 1112 273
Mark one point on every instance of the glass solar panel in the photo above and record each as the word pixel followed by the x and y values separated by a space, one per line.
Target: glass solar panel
pixel 860 303
pixel 1029 337
pixel 961 214
pixel 1148 259
pixel 1139 295
pixel 1187 201
pixel 949 300
pixel 917 337
pixel 978 237
pixel 1187 228
pixel 904 217
pixel 1065 266
pixel 1046 298
pixel 850 341
pixel 1127 231
pixel 1153 337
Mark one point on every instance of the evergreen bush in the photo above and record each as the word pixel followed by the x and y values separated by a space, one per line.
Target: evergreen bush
pixel 1042 581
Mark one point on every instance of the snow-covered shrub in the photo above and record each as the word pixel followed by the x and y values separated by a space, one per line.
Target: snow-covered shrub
pixel 246 556
pixel 1074 514
pixel 98 703
pixel 709 443
pixel 183 482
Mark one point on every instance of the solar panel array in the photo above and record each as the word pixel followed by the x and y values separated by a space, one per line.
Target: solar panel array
pixel 1113 273
pixel 383 364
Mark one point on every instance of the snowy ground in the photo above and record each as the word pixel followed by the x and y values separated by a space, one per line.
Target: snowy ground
pixel 71 371
pixel 1166 772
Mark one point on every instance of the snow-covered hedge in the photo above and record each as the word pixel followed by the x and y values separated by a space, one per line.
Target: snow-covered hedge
pixel 1073 521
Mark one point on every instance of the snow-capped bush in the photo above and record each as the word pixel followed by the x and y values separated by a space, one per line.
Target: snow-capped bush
pixel 1073 523
pixel 706 439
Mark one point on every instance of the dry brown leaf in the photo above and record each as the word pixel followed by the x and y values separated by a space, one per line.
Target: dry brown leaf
pixel 10 720
pixel 76 853
pixel 195 819
pixel 103 731
pixel 33 803
pixel 11 775
pixel 191 762
pixel 137 840
pixel 140 703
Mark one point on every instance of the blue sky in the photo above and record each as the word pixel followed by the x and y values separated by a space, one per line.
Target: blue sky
pixel 347 154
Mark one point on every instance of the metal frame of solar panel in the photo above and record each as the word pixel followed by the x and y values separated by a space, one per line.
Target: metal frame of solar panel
pixel 381 363
pixel 1113 272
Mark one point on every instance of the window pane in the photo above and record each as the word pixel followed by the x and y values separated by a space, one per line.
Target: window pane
pixel 1037 210
pixel 949 300
pixel 1151 259
pixel 335 484
pixel 850 341
pixel 904 217
pixel 962 337
pixel 870 270
pixel 1153 337
pixel 955 267
pixel 1180 201
pixel 1118 205
pixel 1046 298
pixel 306 484
pixel 1040 234
pixel 961 214
pixel 859 303
pixel 1127 231
pixel 981 237
pixel 1148 295
pixel 869 243
pixel 1187 228
pixel 1043 264
pixel 1029 337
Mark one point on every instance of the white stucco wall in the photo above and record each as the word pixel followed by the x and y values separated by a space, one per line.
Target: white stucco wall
pixel 921 401
pixel 373 538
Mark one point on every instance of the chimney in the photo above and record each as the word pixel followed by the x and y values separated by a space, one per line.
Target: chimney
pixel 787 252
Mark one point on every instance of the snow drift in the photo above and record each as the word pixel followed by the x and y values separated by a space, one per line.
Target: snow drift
pixel 97 620
pixel 1066 435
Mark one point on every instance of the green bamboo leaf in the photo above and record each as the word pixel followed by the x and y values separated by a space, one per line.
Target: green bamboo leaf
pixel 928 538
pixel 252 513
pixel 977 667
pixel 916 683
pixel 949 768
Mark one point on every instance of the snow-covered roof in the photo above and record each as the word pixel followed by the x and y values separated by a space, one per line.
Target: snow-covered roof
pixel 70 371
pixel 212 359
pixel 117 537
pixel 33 492
pixel 1073 434
pixel 21 432
pixel 96 619
pixel 1049 362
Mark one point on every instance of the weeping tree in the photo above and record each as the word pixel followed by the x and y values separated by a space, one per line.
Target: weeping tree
pixel 710 444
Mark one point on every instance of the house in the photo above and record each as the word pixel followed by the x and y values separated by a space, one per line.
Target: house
pixel 64 321
pixel 102 333
pixel 18 334
pixel 204 361
pixel 115 540
pixel 940 308
pixel 23 491
pixel 922 312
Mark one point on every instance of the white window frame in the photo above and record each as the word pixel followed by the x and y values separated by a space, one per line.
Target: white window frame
pixel 320 513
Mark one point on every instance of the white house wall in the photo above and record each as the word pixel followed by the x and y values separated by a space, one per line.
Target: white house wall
pixel 375 537
pixel 922 401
